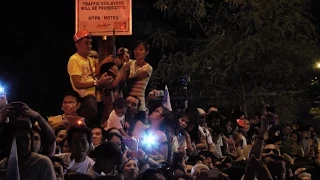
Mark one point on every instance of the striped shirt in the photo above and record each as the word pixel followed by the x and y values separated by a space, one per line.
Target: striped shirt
pixel 139 86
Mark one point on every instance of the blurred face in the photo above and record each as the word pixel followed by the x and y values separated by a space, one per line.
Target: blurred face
pixel 115 71
pixel 70 105
pixel 94 55
pixel 278 144
pixel 119 61
pixel 228 127
pixel 140 52
pixel 36 142
pixel 246 125
pixel 116 140
pixel 23 140
pixel 183 122
pixel 270 149
pixel 84 46
pixel 132 104
pixel 61 135
pixel 157 114
pixel 79 145
pixel 96 136
pixel 305 134
pixel 65 147
pixel 294 137
pixel 286 130
pixel 120 112
pixel 130 169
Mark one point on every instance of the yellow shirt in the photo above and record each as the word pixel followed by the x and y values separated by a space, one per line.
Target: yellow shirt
pixel 54 121
pixel 84 67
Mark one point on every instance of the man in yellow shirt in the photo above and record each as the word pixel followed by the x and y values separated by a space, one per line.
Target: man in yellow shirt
pixel 81 70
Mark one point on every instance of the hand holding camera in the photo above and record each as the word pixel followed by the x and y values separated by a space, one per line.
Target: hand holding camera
pixel 131 143
pixel 20 109
pixel 105 79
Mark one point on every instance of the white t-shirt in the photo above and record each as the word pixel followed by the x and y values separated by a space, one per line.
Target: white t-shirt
pixel 80 167
pixel 114 121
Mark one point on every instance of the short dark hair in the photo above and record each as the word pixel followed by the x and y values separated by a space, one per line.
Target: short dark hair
pixel 120 103
pixel 79 129
pixel 106 67
pixel 298 133
pixel 111 134
pixel 144 44
pixel 103 132
pixel 273 140
pixel 59 129
pixel 106 149
pixel 74 94
pixel 38 130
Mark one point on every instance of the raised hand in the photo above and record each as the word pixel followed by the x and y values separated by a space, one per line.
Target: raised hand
pixel 105 80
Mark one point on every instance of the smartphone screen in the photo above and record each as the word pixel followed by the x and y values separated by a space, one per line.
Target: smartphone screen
pixel 131 143
pixel 161 92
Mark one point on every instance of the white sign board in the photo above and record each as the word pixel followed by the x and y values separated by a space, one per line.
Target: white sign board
pixel 103 17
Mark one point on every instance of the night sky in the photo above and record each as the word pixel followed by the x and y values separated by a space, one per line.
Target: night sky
pixel 37 41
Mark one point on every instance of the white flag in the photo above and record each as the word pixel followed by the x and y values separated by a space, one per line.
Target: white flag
pixel 13 167
pixel 166 99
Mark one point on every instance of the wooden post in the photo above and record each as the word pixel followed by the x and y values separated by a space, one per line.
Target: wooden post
pixel 106 46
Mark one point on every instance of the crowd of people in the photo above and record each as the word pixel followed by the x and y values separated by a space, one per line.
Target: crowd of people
pixel 111 128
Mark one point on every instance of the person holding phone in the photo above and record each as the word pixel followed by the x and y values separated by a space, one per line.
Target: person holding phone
pixel 139 75
pixel 83 78
pixel 113 90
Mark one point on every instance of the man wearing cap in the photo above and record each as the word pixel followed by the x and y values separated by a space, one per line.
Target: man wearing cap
pixel 81 70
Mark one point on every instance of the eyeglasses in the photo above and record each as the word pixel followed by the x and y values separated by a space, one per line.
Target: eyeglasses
pixel 158 111
pixel 275 151
pixel 94 57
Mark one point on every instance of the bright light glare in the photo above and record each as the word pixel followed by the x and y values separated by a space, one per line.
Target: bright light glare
pixel 149 140
pixel 1 90
pixel 318 65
